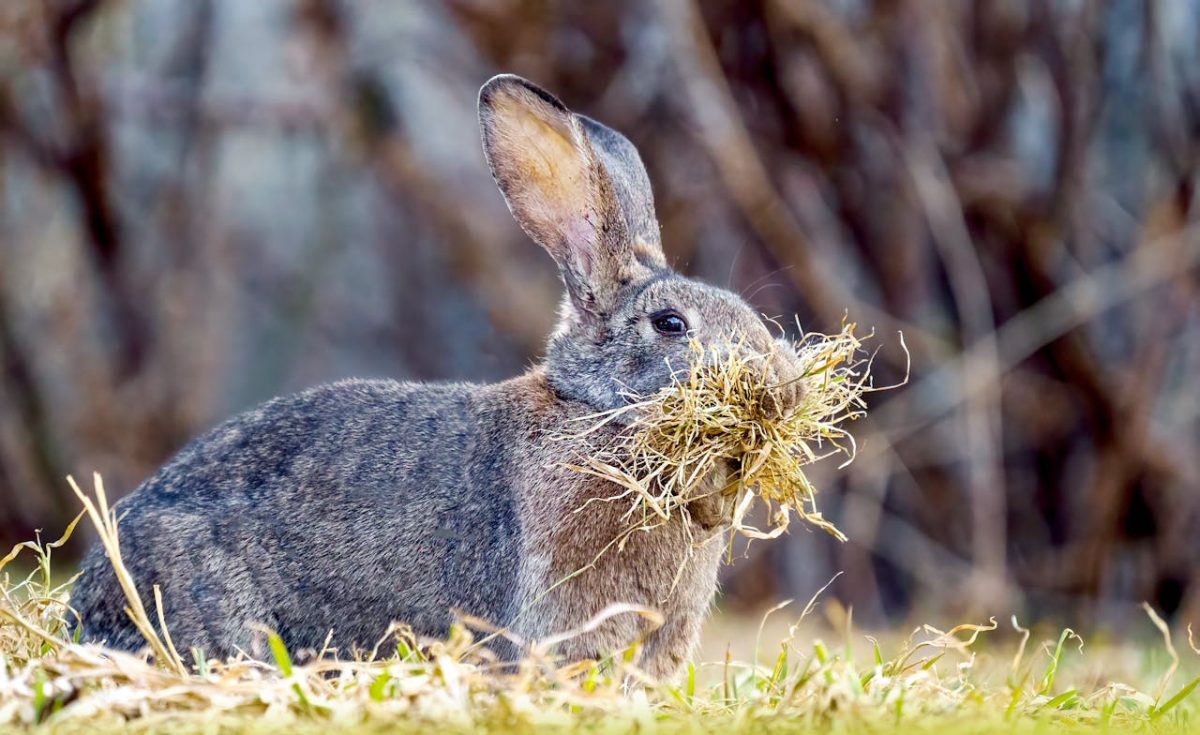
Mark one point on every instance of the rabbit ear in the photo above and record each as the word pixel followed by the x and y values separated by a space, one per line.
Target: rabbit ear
pixel 558 189
pixel 631 184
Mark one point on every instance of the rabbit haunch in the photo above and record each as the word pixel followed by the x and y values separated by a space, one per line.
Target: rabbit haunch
pixel 357 504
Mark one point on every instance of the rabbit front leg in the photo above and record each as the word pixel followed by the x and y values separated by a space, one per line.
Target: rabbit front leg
pixel 675 642
pixel 670 646
pixel 698 548
pixel 710 510
pixel 712 505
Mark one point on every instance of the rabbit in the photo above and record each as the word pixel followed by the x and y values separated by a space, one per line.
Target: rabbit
pixel 356 504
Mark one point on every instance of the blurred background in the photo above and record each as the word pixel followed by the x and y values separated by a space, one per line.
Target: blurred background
pixel 205 203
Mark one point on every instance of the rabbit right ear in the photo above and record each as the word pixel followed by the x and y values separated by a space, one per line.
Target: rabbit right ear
pixel 557 188
pixel 632 186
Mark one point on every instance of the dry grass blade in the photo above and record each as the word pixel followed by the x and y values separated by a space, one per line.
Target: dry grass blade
pixel 724 411
pixel 105 521
pixel 1165 630
pixel 652 616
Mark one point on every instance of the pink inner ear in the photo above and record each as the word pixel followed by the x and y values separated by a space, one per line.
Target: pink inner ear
pixel 579 237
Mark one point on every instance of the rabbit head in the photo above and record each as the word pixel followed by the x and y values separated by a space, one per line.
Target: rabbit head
pixel 579 189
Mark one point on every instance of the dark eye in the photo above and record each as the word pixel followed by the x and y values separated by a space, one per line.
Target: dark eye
pixel 668 322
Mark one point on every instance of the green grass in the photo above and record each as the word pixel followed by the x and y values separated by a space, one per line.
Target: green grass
pixel 975 678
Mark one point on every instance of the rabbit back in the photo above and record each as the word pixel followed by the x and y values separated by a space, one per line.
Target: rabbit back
pixel 341 508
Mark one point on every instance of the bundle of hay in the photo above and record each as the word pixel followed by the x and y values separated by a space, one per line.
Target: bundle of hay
pixel 723 411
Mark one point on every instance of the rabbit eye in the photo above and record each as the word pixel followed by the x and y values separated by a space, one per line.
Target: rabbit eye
pixel 668 322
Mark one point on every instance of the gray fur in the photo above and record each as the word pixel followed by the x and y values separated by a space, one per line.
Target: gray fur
pixel 355 504
pixel 631 184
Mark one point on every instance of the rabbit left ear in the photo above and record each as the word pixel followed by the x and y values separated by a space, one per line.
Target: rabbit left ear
pixel 558 189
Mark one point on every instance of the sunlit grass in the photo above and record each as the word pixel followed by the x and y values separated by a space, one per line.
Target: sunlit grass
pixel 930 681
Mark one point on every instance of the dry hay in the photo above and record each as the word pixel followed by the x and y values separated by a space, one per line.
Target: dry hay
pixel 722 410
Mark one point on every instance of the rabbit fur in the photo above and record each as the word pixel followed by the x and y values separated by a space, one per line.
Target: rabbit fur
pixel 358 503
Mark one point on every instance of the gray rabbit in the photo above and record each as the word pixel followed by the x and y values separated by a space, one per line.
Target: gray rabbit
pixel 355 504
